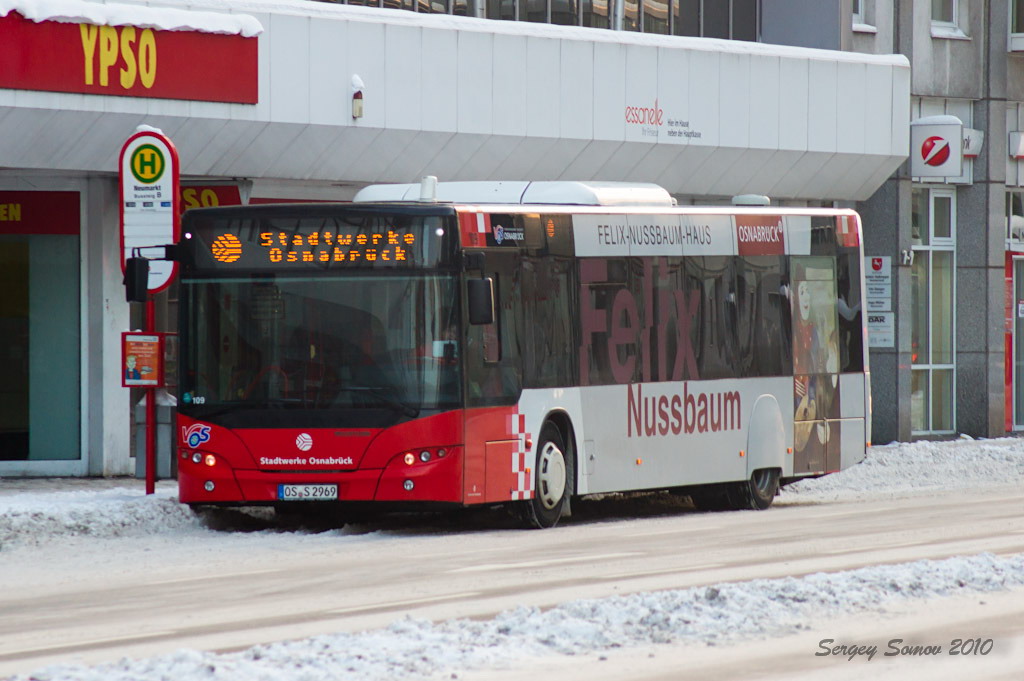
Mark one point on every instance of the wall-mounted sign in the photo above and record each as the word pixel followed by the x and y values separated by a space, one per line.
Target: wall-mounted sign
pixel 210 196
pixel 881 329
pixel 40 212
pixel 149 201
pixel 142 362
pixel 936 147
pixel 128 61
pixel 878 282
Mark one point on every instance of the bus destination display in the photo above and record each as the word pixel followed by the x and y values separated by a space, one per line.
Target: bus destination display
pixel 251 244
pixel 328 246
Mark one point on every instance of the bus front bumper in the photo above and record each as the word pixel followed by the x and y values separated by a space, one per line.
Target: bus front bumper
pixel 438 480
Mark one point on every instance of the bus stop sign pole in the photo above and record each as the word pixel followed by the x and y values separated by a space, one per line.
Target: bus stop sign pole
pixel 150 410
pixel 149 217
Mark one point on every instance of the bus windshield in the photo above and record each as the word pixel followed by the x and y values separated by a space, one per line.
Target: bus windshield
pixel 365 349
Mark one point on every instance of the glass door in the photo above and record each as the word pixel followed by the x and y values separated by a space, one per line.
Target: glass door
pixel 14 351
pixel 40 349
pixel 1018 343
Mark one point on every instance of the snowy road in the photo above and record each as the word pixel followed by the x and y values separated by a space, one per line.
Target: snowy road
pixel 804 657
pixel 229 591
pixel 93 585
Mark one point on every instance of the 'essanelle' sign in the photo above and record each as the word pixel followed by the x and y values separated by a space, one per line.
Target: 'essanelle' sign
pixel 127 61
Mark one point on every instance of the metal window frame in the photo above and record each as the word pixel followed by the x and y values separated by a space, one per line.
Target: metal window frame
pixel 946 245
pixel 954 11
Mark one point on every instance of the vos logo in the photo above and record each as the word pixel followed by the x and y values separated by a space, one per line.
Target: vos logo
pixel 195 435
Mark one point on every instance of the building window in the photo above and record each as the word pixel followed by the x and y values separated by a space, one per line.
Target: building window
pixel 933 292
pixel 946 20
pixel 565 12
pixel 944 12
pixel 686 17
pixel 715 19
pixel 1015 218
pixel 1016 25
pixel 728 19
pixel 656 16
pixel 631 15
pixel 501 9
pixel 595 13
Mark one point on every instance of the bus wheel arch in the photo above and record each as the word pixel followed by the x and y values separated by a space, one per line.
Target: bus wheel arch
pixel 766 455
pixel 766 436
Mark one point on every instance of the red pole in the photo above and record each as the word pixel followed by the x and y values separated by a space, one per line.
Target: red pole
pixel 150 410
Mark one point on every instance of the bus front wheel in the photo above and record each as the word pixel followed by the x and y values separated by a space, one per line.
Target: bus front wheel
pixel 552 481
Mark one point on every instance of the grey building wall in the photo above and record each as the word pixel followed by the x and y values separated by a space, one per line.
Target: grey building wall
pixel 886 224
pixel 823 24
pixel 950 66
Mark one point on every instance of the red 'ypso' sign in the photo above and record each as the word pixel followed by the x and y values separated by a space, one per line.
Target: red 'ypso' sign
pixel 127 61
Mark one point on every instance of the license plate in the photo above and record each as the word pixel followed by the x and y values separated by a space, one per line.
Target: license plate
pixel 307 492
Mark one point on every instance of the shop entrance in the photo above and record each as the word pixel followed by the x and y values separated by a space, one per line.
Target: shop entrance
pixel 1018 342
pixel 40 331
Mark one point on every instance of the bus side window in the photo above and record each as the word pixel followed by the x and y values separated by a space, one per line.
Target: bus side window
pixel 493 372
pixel 851 331
pixel 763 331
pixel 548 357
pixel 490 338
pixel 714 277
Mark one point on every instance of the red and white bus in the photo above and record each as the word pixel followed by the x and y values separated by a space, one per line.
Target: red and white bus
pixel 517 343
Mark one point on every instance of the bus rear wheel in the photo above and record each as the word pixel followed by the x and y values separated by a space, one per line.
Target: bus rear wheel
pixel 753 494
pixel 552 481
pixel 757 492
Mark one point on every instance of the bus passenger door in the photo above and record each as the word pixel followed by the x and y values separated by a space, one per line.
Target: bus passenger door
pixel 493 383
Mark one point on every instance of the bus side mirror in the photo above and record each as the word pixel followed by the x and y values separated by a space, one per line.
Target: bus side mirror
pixel 136 279
pixel 481 300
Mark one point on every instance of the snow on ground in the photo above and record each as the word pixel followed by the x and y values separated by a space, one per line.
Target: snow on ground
pixel 905 468
pixel 723 613
pixel 36 518
pixel 720 614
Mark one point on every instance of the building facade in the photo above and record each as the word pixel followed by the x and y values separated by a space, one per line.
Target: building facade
pixel 261 104
pixel 954 363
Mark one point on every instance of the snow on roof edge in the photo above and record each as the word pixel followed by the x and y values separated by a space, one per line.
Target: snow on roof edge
pixel 143 16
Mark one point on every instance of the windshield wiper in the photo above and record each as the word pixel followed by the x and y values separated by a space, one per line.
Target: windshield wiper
pixel 382 395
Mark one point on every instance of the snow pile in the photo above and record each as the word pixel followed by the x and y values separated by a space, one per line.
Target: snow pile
pixel 119 14
pixel 904 468
pixel 38 518
pixel 710 615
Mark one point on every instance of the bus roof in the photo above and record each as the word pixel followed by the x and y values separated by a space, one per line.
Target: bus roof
pixel 524 193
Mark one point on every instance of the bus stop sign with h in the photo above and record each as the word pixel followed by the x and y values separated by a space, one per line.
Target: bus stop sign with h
pixel 149 218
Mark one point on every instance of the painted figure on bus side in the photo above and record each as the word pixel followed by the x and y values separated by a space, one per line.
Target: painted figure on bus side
pixel 815 367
